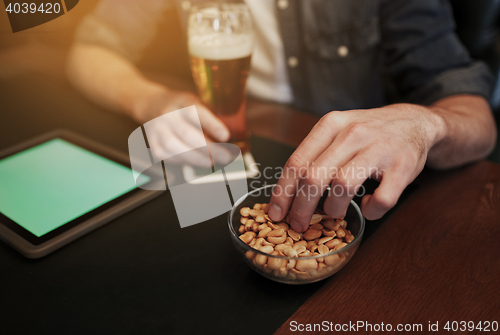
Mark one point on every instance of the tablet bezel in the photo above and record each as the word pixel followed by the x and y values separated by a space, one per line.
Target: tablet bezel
pixel 34 247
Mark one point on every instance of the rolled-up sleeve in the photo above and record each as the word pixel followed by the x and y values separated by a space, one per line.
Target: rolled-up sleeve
pixel 124 26
pixel 423 56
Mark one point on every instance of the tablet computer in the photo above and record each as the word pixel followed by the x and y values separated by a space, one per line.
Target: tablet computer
pixel 60 186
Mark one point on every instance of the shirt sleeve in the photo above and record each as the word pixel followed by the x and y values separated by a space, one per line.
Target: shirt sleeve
pixel 423 56
pixel 124 26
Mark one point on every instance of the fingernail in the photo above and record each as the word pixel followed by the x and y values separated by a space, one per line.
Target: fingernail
pixel 221 156
pixel 223 135
pixel 275 212
pixel 226 158
pixel 296 226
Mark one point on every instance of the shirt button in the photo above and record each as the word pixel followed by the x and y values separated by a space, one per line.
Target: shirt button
pixel 342 51
pixel 186 5
pixel 282 4
pixel 293 61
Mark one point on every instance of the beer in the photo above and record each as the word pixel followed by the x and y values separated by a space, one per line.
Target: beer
pixel 220 64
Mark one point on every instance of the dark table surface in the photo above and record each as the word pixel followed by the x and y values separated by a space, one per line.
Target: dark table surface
pixel 435 257
pixel 140 273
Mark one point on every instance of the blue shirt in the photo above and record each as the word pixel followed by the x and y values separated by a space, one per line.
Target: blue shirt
pixel 348 54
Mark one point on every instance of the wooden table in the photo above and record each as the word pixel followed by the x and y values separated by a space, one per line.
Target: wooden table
pixel 435 259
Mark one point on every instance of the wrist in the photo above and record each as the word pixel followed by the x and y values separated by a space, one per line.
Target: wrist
pixel 437 124
pixel 138 104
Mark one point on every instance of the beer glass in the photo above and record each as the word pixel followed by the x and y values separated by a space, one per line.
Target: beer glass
pixel 220 42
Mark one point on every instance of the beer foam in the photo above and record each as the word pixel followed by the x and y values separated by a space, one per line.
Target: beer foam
pixel 220 46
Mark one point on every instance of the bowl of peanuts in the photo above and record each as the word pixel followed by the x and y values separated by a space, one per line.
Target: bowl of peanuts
pixel 276 251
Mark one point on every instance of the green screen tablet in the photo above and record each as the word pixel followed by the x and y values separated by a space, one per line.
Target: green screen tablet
pixel 52 186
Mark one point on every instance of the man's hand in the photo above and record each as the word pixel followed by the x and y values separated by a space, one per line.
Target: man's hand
pixel 113 82
pixel 181 134
pixel 343 149
pixel 391 144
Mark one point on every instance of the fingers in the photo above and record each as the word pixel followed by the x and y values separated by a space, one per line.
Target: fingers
pixel 374 206
pixel 316 181
pixel 316 142
pixel 212 125
pixel 347 183
pixel 164 145
pixel 187 132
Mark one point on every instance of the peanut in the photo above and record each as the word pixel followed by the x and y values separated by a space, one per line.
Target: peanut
pixel 340 246
pixel 262 226
pixel 255 212
pixel 245 211
pixel 323 249
pixel 263 233
pixel 265 208
pixel 243 220
pixel 329 233
pixel 260 260
pixel 349 238
pixel 316 218
pixel 288 241
pixel 241 230
pixel 260 219
pixel 247 237
pixel 294 235
pixel 333 243
pixel 266 249
pixel 316 226
pixel 298 272
pixel 330 224
pixel 325 239
pixel 255 227
pixel 300 244
pixel 305 253
pixel 258 243
pixel 284 226
pixel 275 233
pixel 248 225
pixel 332 259
pixel 250 255
pixel 273 226
pixel 276 239
pixel 306 265
pixel 280 247
pixel 275 263
pixel 282 272
pixel 265 242
pixel 343 223
pixel 312 234
pixel 290 252
pixel 341 232
pixel 300 249
pixel 257 206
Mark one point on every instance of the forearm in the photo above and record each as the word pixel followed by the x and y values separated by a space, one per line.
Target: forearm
pixel 467 131
pixel 109 79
